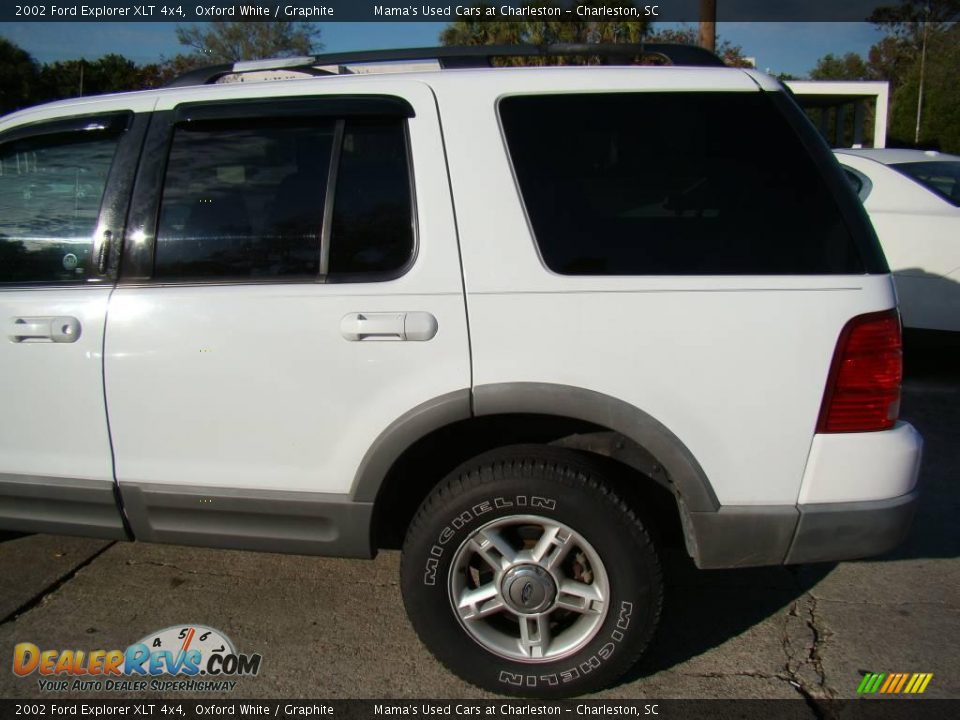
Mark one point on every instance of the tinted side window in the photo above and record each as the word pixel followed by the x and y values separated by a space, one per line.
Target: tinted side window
pixel 672 183
pixel 50 193
pixel 249 199
pixel 372 229
pixel 244 202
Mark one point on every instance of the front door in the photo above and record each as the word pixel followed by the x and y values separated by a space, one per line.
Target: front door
pixel 62 202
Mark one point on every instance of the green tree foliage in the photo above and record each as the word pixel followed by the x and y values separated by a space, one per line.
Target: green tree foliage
pixel 940 123
pixel 889 59
pixel 906 19
pixel 731 54
pixel 220 42
pixel 897 58
pixel 18 77
pixel 71 78
pixel 24 82
pixel 536 31
pixel 849 67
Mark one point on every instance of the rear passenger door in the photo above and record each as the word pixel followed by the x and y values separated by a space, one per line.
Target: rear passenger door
pixel 63 190
pixel 291 287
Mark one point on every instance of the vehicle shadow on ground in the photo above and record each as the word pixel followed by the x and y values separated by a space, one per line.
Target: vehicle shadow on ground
pixel 705 609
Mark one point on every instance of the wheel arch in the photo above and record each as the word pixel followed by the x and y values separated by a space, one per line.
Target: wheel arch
pixel 418 449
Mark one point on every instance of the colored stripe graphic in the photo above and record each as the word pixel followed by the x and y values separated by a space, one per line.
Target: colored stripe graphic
pixel 894 683
pixel 890 683
pixel 918 683
pixel 900 684
pixel 870 683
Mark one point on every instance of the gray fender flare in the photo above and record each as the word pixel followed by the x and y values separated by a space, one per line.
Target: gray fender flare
pixel 684 473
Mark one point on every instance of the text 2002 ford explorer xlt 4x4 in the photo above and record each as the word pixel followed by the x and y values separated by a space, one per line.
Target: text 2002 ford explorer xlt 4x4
pixel 519 320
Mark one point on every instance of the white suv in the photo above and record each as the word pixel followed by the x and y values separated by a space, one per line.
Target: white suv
pixel 521 321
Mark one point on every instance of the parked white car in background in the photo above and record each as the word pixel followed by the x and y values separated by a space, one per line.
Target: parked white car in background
pixel 913 199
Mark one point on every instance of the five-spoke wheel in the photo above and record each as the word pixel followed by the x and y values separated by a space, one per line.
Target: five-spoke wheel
pixel 525 573
pixel 529 588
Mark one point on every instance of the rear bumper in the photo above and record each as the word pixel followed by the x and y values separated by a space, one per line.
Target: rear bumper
pixel 857 499
pixel 844 531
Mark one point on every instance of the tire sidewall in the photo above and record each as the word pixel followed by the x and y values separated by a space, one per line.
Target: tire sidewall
pixel 629 560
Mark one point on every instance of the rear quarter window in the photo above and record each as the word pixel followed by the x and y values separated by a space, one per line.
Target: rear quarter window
pixel 672 184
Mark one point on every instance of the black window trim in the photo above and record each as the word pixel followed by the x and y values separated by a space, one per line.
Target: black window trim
pixel 866 184
pixel 309 106
pixel 326 225
pixel 113 122
pixel 138 256
pixel 130 127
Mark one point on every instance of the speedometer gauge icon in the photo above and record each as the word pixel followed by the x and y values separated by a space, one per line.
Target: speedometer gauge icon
pixel 181 639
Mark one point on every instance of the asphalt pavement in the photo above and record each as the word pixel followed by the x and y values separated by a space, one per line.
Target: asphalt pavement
pixel 331 628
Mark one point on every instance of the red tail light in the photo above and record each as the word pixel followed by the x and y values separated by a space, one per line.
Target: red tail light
pixel 863 390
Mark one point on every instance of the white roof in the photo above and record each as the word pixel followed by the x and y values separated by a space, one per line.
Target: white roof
pixel 447 82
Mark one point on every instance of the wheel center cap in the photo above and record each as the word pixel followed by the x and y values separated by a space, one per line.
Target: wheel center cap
pixel 528 589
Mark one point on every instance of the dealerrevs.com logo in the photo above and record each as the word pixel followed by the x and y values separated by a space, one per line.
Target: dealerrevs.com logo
pixel 198 658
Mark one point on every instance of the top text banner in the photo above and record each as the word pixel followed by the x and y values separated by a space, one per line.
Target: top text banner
pixel 400 11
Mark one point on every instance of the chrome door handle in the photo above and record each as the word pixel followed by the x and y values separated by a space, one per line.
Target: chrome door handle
pixel 417 326
pixel 50 329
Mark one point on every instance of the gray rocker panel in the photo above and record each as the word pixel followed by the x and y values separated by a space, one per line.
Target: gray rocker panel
pixel 264 520
pixel 66 506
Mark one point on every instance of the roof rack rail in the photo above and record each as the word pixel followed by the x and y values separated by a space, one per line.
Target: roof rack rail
pixel 458 56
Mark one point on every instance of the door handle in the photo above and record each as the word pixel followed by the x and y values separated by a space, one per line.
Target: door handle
pixel 417 326
pixel 50 329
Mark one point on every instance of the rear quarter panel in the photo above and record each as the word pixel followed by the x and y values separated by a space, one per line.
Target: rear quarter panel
pixel 735 367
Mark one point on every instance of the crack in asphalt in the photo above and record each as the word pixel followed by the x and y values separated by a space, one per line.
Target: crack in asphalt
pixel 53 587
pixel 935 603
pixel 791 680
pixel 809 657
pixel 157 563
pixel 178 568
pixel 819 635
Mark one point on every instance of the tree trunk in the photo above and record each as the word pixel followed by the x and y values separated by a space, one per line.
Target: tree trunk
pixel 708 24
